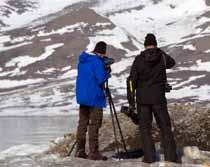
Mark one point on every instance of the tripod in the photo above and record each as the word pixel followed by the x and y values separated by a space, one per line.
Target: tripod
pixel 114 117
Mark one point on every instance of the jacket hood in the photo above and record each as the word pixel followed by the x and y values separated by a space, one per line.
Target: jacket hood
pixel 152 56
pixel 86 57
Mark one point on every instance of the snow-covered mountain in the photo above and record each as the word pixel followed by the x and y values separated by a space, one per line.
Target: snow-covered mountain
pixel 40 41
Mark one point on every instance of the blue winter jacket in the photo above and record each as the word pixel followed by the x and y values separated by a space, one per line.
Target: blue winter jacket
pixel 90 80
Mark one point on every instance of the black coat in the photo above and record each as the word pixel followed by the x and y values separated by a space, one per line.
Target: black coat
pixel 148 74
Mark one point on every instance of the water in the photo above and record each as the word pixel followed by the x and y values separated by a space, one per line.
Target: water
pixel 34 130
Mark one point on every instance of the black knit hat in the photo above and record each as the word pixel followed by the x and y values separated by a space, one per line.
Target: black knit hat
pixel 100 47
pixel 150 39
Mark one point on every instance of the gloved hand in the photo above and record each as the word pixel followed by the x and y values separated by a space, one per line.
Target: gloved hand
pixel 133 114
pixel 131 109
pixel 108 69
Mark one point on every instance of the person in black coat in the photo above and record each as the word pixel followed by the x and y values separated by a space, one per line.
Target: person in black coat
pixel 146 86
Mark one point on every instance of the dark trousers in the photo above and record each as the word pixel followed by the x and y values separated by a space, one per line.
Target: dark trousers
pixel 90 119
pixel 162 118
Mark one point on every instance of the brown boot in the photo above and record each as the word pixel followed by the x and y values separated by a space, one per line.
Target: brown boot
pixel 80 150
pixel 81 154
pixel 97 156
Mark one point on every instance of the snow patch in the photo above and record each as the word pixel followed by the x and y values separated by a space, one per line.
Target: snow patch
pixel 113 37
pixel 22 39
pixel 201 93
pixel 5 48
pixel 66 68
pixel 122 65
pixel 61 31
pixel 16 83
pixel 189 47
pixel 46 40
pixel 168 25
pixel 24 61
pixel 4 38
pixel 193 78
pixel 69 74
pixel 15 72
pixel 23 150
pixel 44 7
pixel 47 71
pixel 207 51
pixel 103 24
pixel 199 66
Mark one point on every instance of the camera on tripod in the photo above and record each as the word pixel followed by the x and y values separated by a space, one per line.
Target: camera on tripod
pixel 168 87
pixel 108 61
pixel 130 112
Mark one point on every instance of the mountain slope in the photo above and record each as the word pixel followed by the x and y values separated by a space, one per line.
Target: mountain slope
pixel 44 57
pixel 43 54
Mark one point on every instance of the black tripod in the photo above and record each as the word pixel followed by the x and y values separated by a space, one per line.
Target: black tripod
pixel 114 117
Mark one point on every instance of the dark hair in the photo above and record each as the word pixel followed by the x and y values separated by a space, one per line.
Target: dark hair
pixel 150 39
pixel 100 48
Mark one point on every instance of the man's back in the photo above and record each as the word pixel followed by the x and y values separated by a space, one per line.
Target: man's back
pixel 148 78
pixel 90 79
pixel 149 73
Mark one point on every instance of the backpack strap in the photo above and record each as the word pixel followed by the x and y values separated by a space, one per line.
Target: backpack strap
pixel 164 58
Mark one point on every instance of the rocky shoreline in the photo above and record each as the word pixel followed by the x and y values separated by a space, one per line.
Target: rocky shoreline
pixel 190 126
pixel 191 129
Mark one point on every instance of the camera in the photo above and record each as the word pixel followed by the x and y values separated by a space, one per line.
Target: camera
pixel 130 112
pixel 108 62
pixel 168 87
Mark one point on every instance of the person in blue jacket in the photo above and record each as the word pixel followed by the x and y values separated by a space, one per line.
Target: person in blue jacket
pixel 91 97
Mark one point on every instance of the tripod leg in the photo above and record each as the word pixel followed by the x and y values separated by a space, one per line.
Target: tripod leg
pixel 72 148
pixel 113 110
pixel 113 124
pixel 118 124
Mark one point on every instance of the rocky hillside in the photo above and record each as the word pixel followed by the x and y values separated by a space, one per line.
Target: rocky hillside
pixel 41 51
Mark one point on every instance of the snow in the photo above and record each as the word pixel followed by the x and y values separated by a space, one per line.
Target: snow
pixel 46 40
pixel 193 78
pixel 144 21
pixel 66 68
pixel 23 150
pixel 21 39
pixel 3 39
pixel 24 61
pixel 48 99
pixel 15 72
pixel 5 48
pixel 121 66
pixel 69 74
pixel 169 25
pixel 47 71
pixel 207 51
pixel 201 93
pixel 5 83
pixel 44 8
pixel 117 5
pixel 2 2
pixel 199 66
pixel 103 24
pixel 37 29
pixel 63 30
pixel 189 47
pixel 114 37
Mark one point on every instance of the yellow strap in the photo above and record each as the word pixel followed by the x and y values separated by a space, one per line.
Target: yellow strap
pixel 131 86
